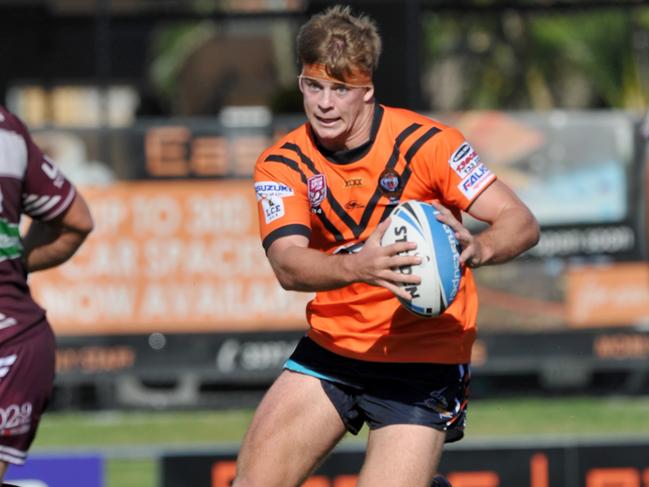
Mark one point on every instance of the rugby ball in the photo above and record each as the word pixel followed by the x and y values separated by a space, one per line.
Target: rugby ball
pixel 440 272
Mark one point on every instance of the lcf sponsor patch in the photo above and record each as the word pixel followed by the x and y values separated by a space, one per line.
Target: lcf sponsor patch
pixel 273 208
pixel 272 194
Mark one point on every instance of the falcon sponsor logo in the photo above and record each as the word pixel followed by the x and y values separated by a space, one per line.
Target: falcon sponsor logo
pixel 316 190
pixel 464 160
pixel 475 181
pixel 272 189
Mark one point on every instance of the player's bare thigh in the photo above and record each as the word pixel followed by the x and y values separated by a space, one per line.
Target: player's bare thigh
pixel 401 455
pixel 293 429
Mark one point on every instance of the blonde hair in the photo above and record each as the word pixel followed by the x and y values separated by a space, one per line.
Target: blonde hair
pixel 340 41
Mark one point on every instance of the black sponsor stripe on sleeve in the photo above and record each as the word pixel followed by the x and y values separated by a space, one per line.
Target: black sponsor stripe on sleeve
pixel 293 229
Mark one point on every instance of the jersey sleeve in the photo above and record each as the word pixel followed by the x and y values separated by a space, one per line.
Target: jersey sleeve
pixel 46 192
pixel 282 205
pixel 456 171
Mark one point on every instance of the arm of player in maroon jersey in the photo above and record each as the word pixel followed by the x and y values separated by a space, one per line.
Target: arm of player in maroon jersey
pixel 50 243
pixel 300 268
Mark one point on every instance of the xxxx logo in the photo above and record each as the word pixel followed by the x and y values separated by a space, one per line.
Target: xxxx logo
pixel 353 182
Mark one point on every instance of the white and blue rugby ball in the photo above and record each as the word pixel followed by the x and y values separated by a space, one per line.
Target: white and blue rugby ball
pixel 440 272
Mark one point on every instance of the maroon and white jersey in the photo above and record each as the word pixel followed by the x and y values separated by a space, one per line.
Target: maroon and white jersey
pixel 30 184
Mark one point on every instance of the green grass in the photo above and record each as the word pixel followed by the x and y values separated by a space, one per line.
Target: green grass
pixel 564 417
pixel 142 428
pixel 131 473
pixel 119 434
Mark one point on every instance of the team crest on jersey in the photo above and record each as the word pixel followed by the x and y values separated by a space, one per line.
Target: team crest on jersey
pixel 316 190
pixel 390 183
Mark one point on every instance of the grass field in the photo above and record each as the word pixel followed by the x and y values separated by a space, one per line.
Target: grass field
pixel 131 440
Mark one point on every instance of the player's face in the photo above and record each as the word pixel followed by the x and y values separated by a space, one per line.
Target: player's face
pixel 340 115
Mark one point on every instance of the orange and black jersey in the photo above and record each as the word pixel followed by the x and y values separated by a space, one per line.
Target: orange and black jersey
pixel 338 199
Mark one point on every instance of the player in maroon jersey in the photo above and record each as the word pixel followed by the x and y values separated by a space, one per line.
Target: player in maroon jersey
pixel 30 184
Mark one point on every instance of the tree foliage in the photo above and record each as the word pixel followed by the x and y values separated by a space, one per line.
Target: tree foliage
pixel 537 59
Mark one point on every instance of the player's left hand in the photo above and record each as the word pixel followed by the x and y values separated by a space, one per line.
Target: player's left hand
pixel 471 254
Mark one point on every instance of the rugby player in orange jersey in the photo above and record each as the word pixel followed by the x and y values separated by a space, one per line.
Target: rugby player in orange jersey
pixel 324 193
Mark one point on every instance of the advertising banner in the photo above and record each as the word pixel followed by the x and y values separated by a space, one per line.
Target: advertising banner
pixel 607 295
pixel 169 257
pixel 566 464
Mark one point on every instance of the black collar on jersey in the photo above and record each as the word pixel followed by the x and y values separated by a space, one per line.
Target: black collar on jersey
pixel 347 156
pixel 293 157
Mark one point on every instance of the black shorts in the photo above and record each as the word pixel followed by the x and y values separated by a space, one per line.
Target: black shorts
pixel 384 393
